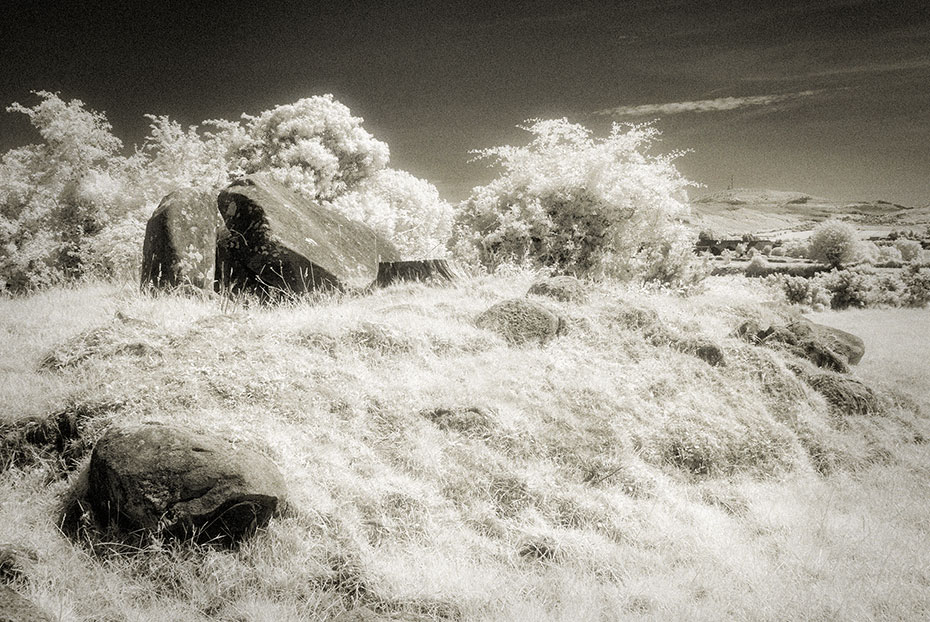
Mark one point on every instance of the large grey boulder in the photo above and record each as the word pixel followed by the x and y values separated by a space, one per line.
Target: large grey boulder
pixel 168 479
pixel 180 241
pixel 280 241
pixel 521 321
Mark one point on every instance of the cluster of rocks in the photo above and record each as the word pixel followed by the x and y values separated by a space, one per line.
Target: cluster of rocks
pixel 824 346
pixel 259 236
pixel 527 321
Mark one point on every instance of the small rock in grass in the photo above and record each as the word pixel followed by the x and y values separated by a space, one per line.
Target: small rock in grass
pixel 168 479
pixel 704 349
pixel 820 355
pixel 849 346
pixel 824 346
pixel 15 608
pixel 637 318
pixel 57 436
pixel 13 560
pixel 542 549
pixel 750 331
pixel 521 321
pixel 122 335
pixel 471 420
pixel 564 288
pixel 846 395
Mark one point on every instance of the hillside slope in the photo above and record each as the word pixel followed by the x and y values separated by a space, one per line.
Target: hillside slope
pixel 780 213
pixel 436 472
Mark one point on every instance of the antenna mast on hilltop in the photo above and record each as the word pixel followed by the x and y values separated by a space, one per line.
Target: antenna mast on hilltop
pixel 730 187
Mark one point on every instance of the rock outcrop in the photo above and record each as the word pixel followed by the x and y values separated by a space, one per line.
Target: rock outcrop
pixel 282 242
pixel 173 480
pixel 824 346
pixel 521 321
pixel 180 241
pixel 843 343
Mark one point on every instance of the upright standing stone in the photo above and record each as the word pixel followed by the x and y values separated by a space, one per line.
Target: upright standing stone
pixel 282 241
pixel 180 241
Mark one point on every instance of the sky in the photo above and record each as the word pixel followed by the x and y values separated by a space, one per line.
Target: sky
pixel 829 97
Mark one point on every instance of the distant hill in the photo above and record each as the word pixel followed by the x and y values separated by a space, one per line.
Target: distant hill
pixel 785 213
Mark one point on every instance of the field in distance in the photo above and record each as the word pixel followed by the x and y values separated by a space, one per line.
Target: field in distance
pixel 784 214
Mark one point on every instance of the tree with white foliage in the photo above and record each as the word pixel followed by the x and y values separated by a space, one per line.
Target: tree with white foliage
pixel 45 210
pixel 314 146
pixel 584 205
pixel 834 243
pixel 404 209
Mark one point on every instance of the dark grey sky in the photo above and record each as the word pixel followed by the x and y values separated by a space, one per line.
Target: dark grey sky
pixel 830 97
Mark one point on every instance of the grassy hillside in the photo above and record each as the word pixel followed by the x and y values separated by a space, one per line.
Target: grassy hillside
pixel 437 473
pixel 780 214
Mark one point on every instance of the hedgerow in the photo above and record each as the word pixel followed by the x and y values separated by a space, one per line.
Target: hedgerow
pixel 861 286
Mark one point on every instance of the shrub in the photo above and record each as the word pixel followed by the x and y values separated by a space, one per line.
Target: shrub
pixel 889 289
pixel 833 243
pixel 849 288
pixel 859 287
pixel 583 205
pixel 910 250
pixel 804 291
pixel 917 281
pixel 796 248
pixel 778 251
pixel 758 266
pixel 879 255
pixel 46 192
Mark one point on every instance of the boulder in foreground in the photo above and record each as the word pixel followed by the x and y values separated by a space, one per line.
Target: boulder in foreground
pixel 167 479
pixel 280 241
pixel 180 241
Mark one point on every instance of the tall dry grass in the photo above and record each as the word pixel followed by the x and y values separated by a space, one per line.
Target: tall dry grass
pixel 437 473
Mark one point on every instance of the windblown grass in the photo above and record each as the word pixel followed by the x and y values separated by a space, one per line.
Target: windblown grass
pixel 437 472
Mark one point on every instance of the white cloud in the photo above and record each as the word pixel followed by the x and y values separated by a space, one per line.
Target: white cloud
pixel 703 105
